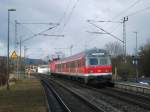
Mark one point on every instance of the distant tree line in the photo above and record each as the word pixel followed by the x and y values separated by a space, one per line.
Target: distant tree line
pixel 144 59
pixel 3 69
pixel 13 66
pixel 127 70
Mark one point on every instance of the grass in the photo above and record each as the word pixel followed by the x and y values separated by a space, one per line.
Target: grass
pixel 24 96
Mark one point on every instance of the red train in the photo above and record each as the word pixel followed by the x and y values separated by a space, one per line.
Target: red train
pixel 91 66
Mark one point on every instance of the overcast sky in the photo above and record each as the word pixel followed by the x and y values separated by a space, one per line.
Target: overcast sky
pixel 72 16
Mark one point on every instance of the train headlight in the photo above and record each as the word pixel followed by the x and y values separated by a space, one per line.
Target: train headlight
pixel 106 70
pixel 99 71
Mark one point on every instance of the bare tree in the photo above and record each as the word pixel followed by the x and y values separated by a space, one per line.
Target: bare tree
pixel 114 48
pixel 144 62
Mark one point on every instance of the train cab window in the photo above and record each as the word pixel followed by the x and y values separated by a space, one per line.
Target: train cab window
pixel 104 61
pixel 93 61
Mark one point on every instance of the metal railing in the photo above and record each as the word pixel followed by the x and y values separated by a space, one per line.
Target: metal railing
pixel 133 87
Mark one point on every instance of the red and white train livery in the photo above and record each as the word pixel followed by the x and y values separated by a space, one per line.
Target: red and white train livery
pixel 90 66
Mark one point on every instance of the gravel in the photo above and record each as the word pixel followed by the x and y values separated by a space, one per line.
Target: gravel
pixel 107 102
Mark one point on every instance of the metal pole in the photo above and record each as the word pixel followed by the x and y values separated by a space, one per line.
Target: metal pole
pixel 20 56
pixel 15 35
pixel 7 82
pixel 25 59
pixel 8 55
pixel 136 56
pixel 25 49
pixel 136 44
pixel 16 47
pixel 71 49
pixel 124 37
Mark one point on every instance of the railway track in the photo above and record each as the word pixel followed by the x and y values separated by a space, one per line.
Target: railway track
pixel 127 97
pixel 135 100
pixel 54 100
pixel 75 101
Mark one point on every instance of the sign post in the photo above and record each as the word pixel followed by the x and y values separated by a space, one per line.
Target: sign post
pixel 14 58
pixel 14 55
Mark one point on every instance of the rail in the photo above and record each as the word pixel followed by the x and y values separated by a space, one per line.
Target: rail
pixel 85 100
pixel 133 87
pixel 50 88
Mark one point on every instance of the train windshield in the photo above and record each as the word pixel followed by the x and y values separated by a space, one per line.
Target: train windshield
pixel 93 61
pixel 102 61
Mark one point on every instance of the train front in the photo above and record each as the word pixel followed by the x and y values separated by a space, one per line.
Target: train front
pixel 98 67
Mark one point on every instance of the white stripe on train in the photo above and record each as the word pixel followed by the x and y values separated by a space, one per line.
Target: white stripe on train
pixel 86 75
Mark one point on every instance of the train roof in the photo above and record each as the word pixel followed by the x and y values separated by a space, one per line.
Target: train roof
pixel 86 53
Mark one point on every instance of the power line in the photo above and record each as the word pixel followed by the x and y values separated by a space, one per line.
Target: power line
pixel 108 21
pixel 127 9
pixel 107 32
pixel 70 14
pixel 139 11
pixel 63 16
pixel 38 33
pixel 102 32
pixel 40 23
pixel 51 35
pixel 102 21
pixel 65 12
pixel 96 32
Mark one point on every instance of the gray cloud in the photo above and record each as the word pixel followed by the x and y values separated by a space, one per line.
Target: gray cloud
pixel 75 30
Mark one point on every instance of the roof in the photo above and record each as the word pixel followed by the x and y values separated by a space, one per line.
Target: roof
pixel 82 54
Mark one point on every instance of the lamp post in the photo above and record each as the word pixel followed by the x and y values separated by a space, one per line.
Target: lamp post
pixel 8 49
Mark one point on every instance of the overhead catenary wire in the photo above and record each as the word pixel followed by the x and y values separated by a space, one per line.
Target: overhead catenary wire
pixel 65 12
pixel 41 23
pixel 127 9
pixel 102 21
pixel 34 35
pixel 70 15
pixel 62 19
pixel 98 33
pixel 138 11
pixel 107 33
pixel 122 12
pixel 51 35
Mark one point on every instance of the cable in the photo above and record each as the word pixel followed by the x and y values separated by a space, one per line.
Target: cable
pixel 114 29
pixel 38 34
pixel 107 32
pixel 127 9
pixel 70 14
pixel 63 16
pixel 40 23
pixel 65 12
pixel 139 11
